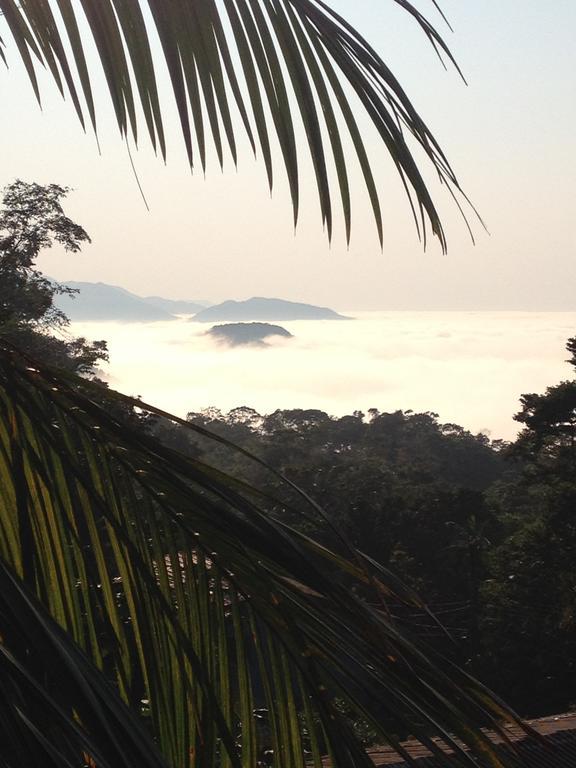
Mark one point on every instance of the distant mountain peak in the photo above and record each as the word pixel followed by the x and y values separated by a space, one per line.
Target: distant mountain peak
pixel 103 302
pixel 99 301
pixel 261 308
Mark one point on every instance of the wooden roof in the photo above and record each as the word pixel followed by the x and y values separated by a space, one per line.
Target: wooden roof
pixel 556 750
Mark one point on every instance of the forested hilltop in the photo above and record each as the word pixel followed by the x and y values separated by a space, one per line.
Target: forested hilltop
pixel 483 530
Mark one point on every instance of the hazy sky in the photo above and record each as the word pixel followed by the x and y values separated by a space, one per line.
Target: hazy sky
pixel 509 135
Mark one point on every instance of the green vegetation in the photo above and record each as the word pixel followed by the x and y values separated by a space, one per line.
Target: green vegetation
pixel 31 220
pixel 150 603
pixel 159 609
pixel 239 624
pixel 483 531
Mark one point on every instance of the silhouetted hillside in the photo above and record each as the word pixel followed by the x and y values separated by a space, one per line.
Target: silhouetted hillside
pixel 237 334
pixel 99 301
pixel 259 308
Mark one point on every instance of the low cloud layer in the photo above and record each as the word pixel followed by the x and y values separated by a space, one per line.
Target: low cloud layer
pixel 469 367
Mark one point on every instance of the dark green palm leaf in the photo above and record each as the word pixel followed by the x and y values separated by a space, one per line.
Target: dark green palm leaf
pixel 302 42
pixel 142 589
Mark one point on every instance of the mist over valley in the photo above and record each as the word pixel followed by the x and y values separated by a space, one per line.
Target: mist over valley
pixel 469 367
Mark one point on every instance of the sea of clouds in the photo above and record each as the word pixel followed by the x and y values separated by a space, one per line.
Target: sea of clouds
pixel 469 367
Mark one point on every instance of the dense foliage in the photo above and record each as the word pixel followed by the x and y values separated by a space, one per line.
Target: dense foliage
pixel 471 542
pixel 32 220
pixel 147 602
pixel 143 589
pixel 483 530
pixel 155 611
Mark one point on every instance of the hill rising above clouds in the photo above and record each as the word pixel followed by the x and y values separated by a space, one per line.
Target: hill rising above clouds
pixel 96 302
pixel 264 309
pixel 99 301
pixel 240 334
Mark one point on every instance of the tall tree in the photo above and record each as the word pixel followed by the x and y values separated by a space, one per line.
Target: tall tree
pixel 549 434
pixel 32 220
pixel 529 622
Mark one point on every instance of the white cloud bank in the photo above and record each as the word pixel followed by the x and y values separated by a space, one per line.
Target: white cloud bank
pixel 469 367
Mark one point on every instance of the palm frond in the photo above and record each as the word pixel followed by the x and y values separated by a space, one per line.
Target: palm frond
pixel 242 53
pixel 142 590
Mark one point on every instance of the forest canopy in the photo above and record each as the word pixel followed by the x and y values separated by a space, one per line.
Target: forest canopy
pixel 483 530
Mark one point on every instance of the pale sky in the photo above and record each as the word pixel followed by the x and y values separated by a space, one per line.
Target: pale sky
pixel 509 136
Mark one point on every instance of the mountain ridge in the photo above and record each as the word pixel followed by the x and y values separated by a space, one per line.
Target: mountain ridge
pixel 175 306
pixel 100 302
pixel 260 308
